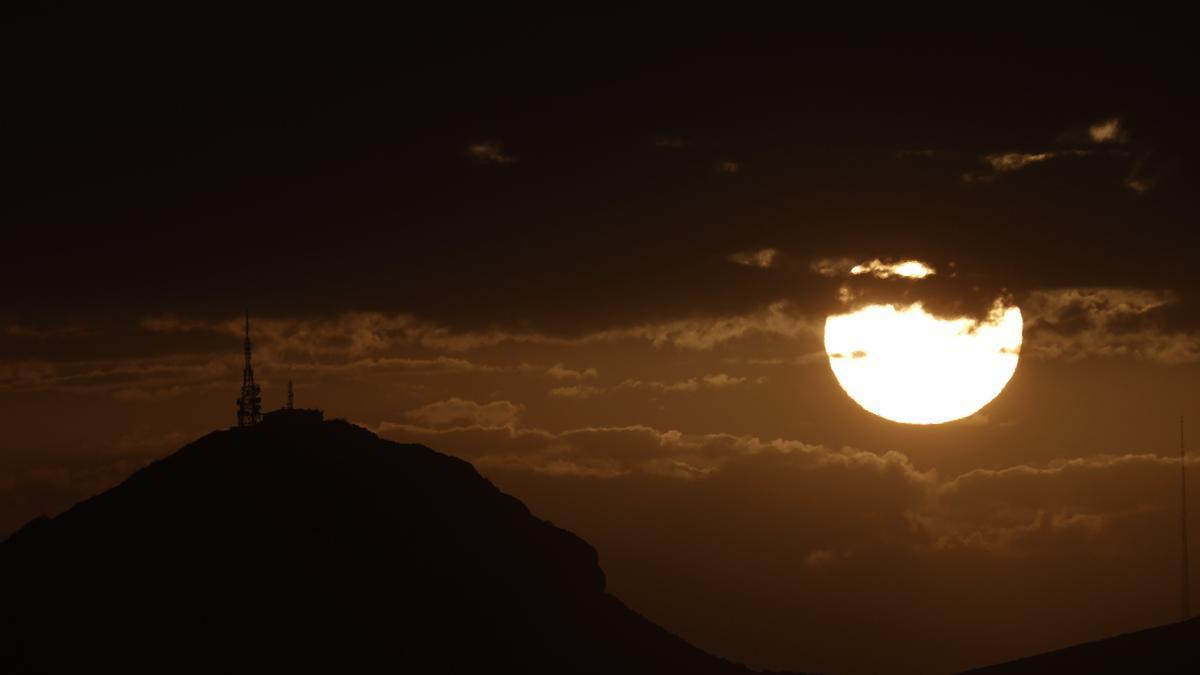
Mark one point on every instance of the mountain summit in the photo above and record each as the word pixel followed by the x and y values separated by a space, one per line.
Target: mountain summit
pixel 307 545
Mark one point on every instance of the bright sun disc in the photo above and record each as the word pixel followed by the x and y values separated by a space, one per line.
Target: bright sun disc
pixel 906 365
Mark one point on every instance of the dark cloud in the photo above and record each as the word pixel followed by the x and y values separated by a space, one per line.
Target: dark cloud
pixel 1078 323
pixel 337 148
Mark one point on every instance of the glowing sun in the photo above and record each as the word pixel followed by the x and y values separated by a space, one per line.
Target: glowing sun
pixel 906 365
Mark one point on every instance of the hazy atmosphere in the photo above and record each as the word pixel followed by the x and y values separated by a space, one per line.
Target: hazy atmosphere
pixel 599 264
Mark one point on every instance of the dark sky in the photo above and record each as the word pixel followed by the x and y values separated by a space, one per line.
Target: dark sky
pixel 586 255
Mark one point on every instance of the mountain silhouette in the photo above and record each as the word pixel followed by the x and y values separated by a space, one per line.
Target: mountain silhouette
pixel 308 545
pixel 1165 649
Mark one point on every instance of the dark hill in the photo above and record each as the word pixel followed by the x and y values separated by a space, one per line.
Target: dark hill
pixel 301 545
pixel 1165 649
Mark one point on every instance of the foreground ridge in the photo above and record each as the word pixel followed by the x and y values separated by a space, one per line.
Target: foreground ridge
pixel 1164 649
pixel 300 544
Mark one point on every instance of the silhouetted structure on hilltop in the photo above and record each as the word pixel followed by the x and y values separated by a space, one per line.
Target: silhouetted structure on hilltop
pixel 1185 590
pixel 250 402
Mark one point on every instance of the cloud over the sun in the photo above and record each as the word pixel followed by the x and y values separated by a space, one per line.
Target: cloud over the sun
pixel 909 269
pixel 876 267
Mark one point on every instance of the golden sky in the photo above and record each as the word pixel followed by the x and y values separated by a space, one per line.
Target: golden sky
pixel 603 278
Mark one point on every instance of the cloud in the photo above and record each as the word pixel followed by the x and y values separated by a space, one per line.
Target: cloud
pixel 1012 161
pixel 832 267
pixel 154 378
pixel 490 152
pixel 690 384
pixel 808 359
pixel 614 451
pixel 1008 162
pixel 576 391
pixel 728 166
pixel 778 318
pixel 1139 185
pixel 560 372
pixel 712 381
pixel 823 527
pixel 349 334
pixel 909 269
pixel 722 380
pixel 1078 323
pixel 877 268
pixel 1137 180
pixel 1107 131
pixel 699 333
pixel 366 333
pixel 1017 510
pixel 358 343
pixel 132 378
pixel 975 177
pixel 457 411
pixel 763 257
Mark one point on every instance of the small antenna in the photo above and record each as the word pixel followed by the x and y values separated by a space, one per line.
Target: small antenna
pixel 1186 587
pixel 291 399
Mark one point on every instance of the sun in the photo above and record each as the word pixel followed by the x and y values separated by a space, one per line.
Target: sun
pixel 906 365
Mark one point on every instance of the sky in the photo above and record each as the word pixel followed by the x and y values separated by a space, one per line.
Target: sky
pixel 595 258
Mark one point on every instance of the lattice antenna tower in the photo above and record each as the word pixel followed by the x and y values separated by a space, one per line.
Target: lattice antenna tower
pixel 1185 588
pixel 250 402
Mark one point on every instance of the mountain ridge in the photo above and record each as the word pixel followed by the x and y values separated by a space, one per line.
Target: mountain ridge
pixel 1161 649
pixel 306 545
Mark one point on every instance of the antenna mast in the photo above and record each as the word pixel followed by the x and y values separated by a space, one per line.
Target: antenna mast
pixel 291 399
pixel 250 402
pixel 1185 588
